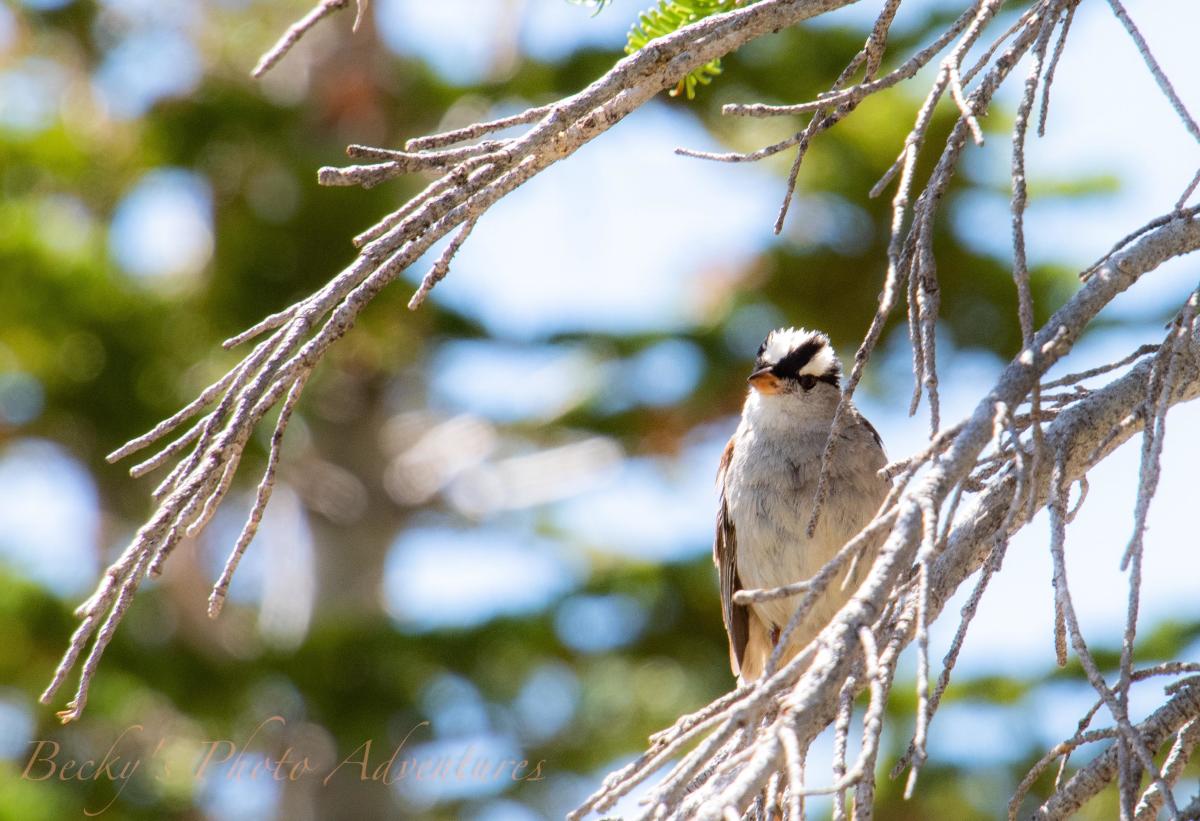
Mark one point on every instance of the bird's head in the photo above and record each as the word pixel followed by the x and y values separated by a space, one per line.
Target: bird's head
pixel 795 361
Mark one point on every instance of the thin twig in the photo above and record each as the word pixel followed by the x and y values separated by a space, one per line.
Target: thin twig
pixel 296 31
pixel 1048 78
pixel 440 268
pixel 1160 76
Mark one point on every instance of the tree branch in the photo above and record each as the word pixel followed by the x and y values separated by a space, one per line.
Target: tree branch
pixel 1097 774
pixel 808 689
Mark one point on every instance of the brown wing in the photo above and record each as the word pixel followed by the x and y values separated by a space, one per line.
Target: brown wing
pixel 736 616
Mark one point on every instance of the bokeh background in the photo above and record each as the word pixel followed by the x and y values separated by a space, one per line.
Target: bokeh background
pixel 495 513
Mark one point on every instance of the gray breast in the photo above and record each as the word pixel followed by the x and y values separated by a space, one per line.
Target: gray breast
pixel 771 484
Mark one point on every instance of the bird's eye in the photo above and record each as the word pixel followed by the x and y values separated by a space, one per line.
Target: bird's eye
pixel 807 381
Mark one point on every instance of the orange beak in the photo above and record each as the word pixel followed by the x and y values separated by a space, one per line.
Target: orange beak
pixel 764 381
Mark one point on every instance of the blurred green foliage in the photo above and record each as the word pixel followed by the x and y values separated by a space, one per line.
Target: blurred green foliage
pixel 114 354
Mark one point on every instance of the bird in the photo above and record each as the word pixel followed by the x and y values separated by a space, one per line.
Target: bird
pixel 767 479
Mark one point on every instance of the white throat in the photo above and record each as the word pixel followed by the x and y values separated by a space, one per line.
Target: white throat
pixel 790 411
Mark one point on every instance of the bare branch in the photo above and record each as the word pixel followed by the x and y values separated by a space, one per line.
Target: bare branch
pixel 1164 722
pixel 441 267
pixel 299 29
pixel 1048 79
pixel 809 687
pixel 1160 76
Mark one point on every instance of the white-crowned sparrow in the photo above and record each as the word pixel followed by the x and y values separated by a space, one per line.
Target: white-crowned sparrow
pixel 767 478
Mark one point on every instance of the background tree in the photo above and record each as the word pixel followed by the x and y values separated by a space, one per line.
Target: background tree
pixel 100 356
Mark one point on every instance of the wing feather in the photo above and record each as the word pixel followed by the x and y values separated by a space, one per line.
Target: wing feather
pixel 735 616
